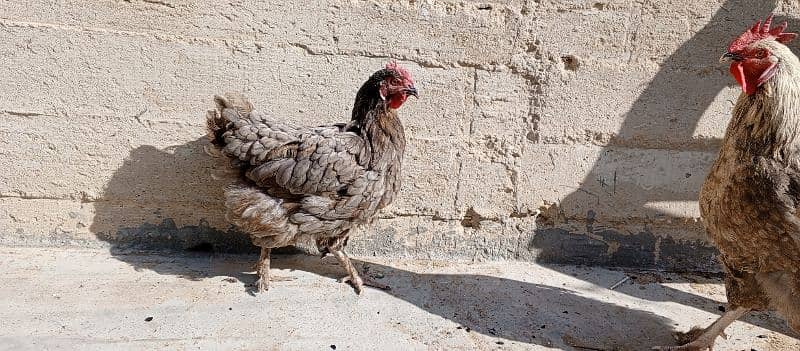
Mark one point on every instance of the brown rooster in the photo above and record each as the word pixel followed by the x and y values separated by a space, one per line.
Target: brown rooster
pixel 751 197
pixel 318 182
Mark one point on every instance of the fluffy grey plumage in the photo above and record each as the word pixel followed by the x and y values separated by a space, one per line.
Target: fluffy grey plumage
pixel 315 182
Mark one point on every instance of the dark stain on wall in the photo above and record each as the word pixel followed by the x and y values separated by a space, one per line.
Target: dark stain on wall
pixel 610 248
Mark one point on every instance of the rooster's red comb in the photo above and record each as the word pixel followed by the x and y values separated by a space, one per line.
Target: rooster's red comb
pixel 759 32
pixel 393 66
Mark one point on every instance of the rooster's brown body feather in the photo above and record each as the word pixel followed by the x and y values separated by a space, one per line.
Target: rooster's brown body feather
pixel 751 196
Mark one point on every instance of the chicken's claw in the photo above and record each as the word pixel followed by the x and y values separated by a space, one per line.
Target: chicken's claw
pixel 359 283
pixel 262 285
pixel 696 339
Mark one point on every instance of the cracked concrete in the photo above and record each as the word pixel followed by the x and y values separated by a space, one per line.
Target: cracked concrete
pixel 590 123
pixel 91 300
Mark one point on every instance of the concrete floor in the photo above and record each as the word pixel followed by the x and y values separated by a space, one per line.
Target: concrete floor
pixel 65 299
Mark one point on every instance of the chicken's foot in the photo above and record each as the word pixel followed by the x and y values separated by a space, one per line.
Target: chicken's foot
pixel 262 267
pixel 703 339
pixel 352 274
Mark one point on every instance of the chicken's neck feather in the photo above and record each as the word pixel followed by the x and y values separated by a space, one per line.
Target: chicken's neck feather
pixel 379 125
pixel 768 122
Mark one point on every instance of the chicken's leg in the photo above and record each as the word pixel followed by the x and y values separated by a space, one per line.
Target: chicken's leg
pixel 705 339
pixel 355 280
pixel 262 267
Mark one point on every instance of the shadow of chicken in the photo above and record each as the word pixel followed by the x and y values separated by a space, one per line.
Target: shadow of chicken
pixel 751 196
pixel 318 182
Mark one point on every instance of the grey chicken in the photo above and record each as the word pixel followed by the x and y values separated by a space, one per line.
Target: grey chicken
pixel 750 200
pixel 317 182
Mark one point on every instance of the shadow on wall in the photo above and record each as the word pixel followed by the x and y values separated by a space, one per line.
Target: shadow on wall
pixel 174 188
pixel 662 119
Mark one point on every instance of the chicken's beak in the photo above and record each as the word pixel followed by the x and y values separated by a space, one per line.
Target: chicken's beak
pixel 411 90
pixel 729 56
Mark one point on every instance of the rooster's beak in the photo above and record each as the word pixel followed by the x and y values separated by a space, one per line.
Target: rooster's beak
pixel 411 91
pixel 730 56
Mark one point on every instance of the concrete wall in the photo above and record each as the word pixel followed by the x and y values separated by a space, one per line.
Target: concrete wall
pixel 564 131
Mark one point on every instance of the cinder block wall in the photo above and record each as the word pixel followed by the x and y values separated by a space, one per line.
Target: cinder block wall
pixel 560 131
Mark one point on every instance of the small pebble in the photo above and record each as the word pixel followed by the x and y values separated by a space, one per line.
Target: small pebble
pixel 148 319
pixel 499 342
pixel 333 347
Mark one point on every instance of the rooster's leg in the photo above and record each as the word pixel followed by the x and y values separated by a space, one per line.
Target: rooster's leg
pixel 262 267
pixel 352 274
pixel 703 339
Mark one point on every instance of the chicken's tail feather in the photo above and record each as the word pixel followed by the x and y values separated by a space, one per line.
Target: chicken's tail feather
pixel 229 109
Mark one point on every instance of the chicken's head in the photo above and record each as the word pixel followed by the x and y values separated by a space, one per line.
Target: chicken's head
pixel 396 85
pixel 753 61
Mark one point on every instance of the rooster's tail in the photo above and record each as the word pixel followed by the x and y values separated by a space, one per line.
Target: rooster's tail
pixel 229 109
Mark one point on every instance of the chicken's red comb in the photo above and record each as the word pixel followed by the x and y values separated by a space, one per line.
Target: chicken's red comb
pixel 759 32
pixel 393 66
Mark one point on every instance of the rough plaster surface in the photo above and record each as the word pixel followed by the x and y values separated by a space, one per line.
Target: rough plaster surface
pixel 559 130
pixel 90 300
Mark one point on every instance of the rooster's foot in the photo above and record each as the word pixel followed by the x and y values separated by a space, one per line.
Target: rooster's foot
pixel 696 339
pixel 703 339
